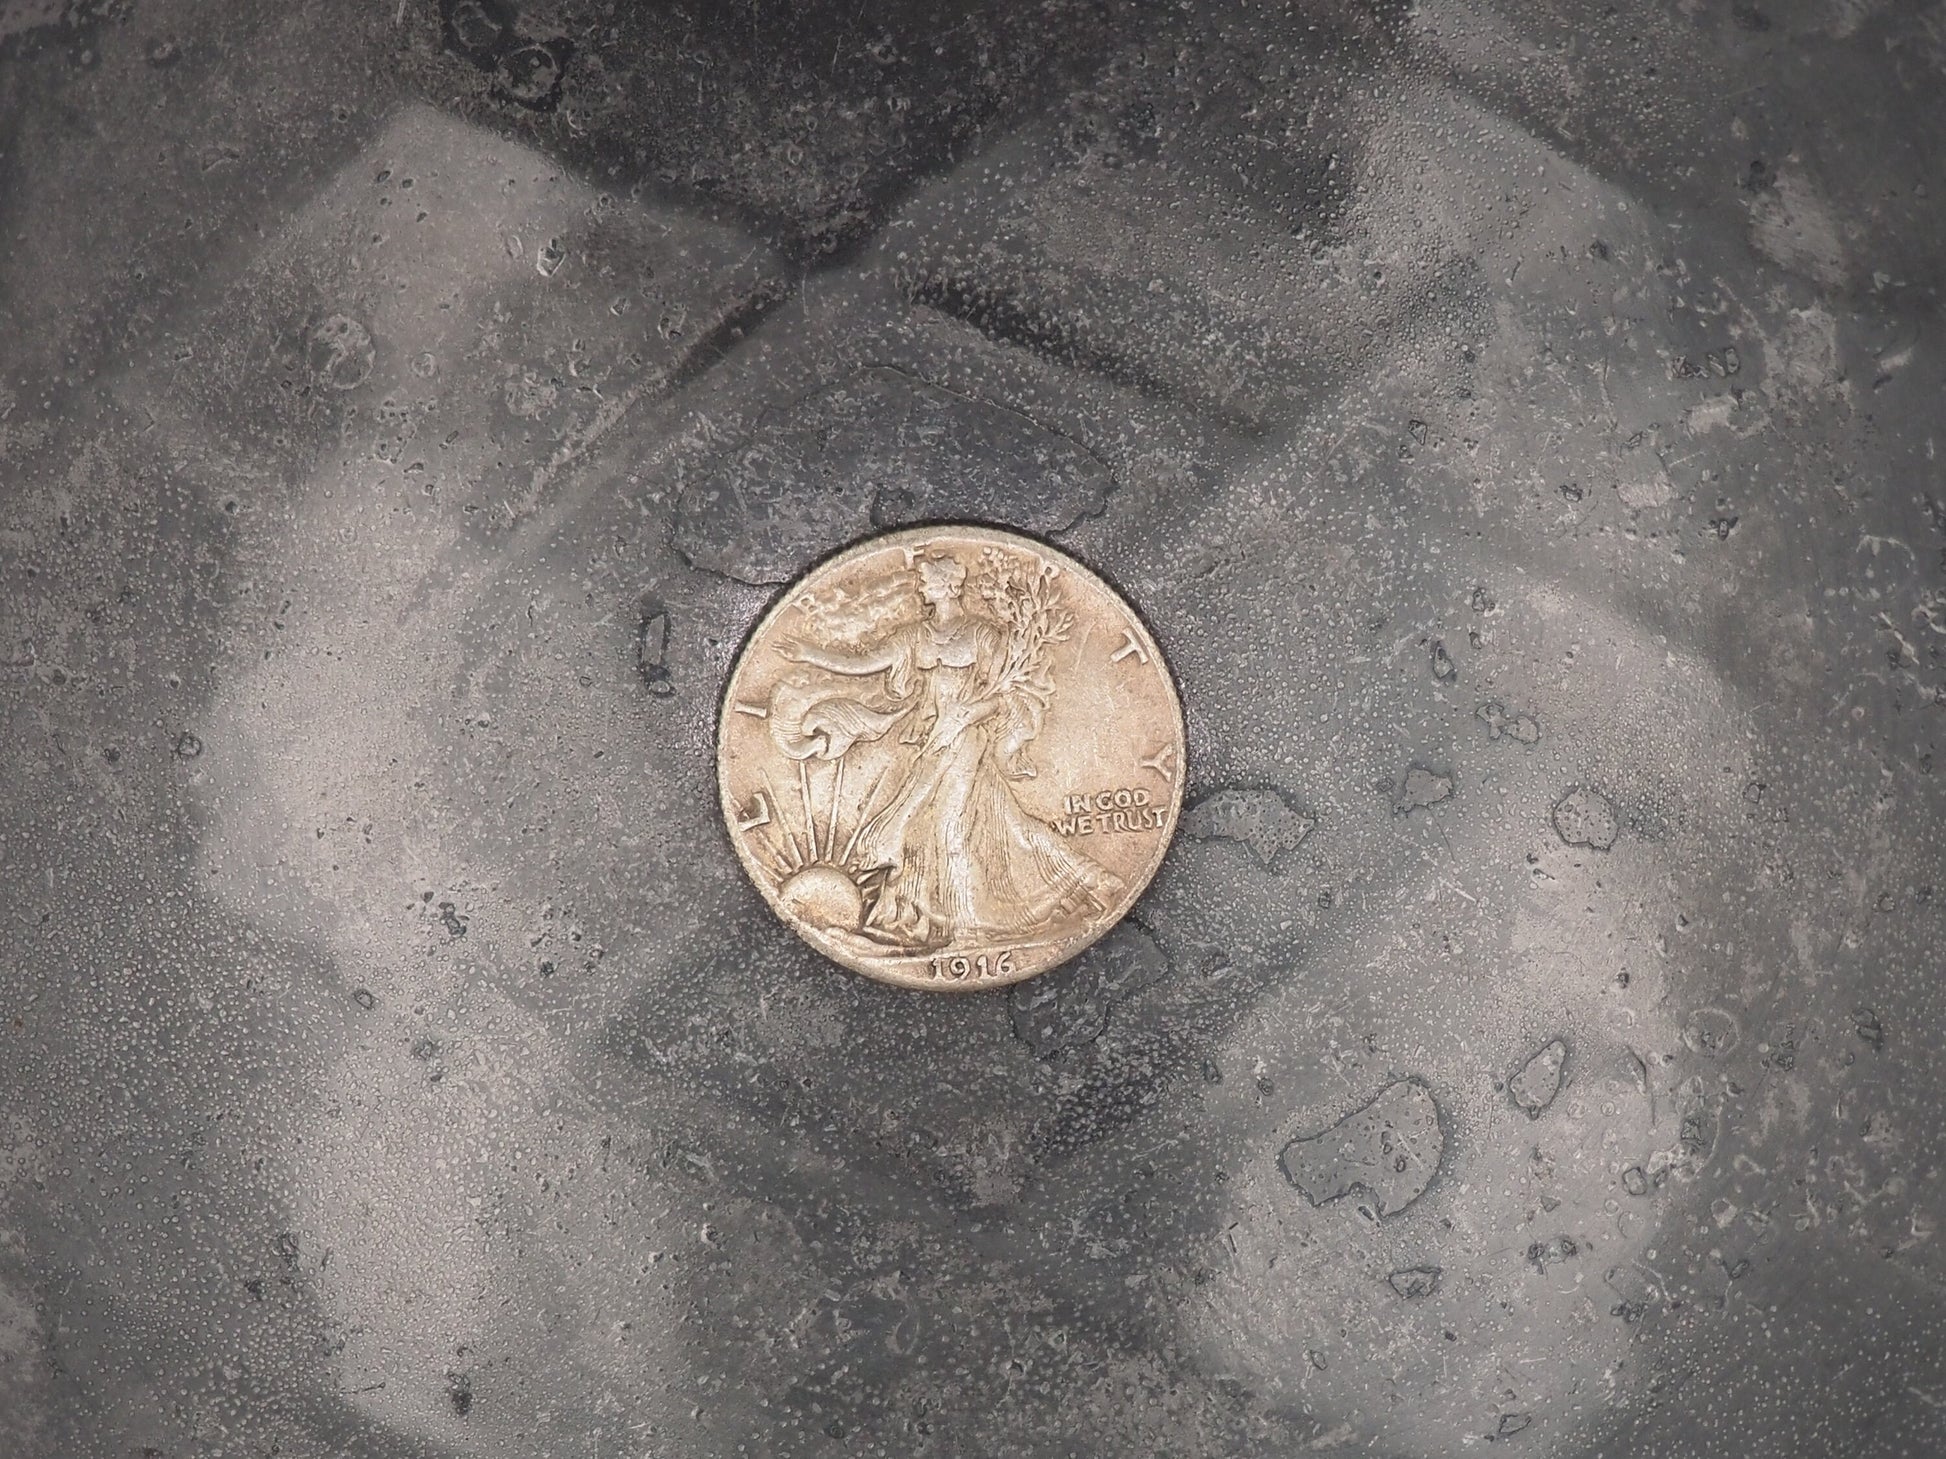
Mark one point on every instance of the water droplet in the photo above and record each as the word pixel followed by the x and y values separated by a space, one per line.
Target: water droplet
pixel 1521 728
pixel 1388 1149
pixel 1261 819
pixel 1415 1282
pixel 531 74
pixel 1539 1079
pixel 1585 817
pixel 1420 789
pixel 340 352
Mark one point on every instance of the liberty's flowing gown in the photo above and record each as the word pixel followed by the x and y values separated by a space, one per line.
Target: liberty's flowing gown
pixel 965 864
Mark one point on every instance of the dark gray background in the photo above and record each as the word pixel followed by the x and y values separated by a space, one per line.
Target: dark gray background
pixel 1519 424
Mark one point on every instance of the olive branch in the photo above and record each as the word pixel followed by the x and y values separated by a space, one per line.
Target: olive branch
pixel 1036 618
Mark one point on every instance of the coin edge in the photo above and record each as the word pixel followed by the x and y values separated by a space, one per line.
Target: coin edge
pixel 1001 537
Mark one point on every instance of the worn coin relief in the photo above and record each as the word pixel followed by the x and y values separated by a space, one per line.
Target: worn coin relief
pixel 951 757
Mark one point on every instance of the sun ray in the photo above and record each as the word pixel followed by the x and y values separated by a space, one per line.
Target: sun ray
pixel 863 820
pixel 837 794
pixel 804 795
pixel 785 855
pixel 790 837
pixel 773 860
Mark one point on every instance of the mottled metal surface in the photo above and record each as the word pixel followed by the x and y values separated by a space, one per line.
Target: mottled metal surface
pixel 1518 424
pixel 950 758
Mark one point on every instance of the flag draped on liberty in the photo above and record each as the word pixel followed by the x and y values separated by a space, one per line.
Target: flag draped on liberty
pixel 947 855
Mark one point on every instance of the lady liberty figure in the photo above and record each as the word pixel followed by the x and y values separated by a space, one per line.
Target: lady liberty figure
pixel 952 858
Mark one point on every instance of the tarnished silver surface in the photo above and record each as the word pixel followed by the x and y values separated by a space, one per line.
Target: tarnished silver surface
pixel 1518 424
pixel 1015 749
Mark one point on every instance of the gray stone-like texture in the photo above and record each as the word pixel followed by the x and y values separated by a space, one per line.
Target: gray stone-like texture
pixel 405 410
pixel 882 449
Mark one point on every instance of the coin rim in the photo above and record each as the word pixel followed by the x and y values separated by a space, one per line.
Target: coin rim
pixel 1001 537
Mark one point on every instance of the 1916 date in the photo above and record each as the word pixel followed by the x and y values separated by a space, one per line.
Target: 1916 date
pixel 971 967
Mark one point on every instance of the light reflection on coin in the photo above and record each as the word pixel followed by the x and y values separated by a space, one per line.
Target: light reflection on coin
pixel 950 757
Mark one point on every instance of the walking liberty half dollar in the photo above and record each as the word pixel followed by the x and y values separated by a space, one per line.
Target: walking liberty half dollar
pixel 950 757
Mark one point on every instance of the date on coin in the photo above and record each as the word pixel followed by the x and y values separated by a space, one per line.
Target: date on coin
pixel 950 757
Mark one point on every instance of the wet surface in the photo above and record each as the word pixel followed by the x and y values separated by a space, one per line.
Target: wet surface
pixel 1258 819
pixel 1386 1153
pixel 880 450
pixel 1539 1079
pixel 1517 427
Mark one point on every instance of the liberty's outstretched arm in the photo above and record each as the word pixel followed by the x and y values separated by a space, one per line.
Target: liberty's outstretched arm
pixel 838 661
